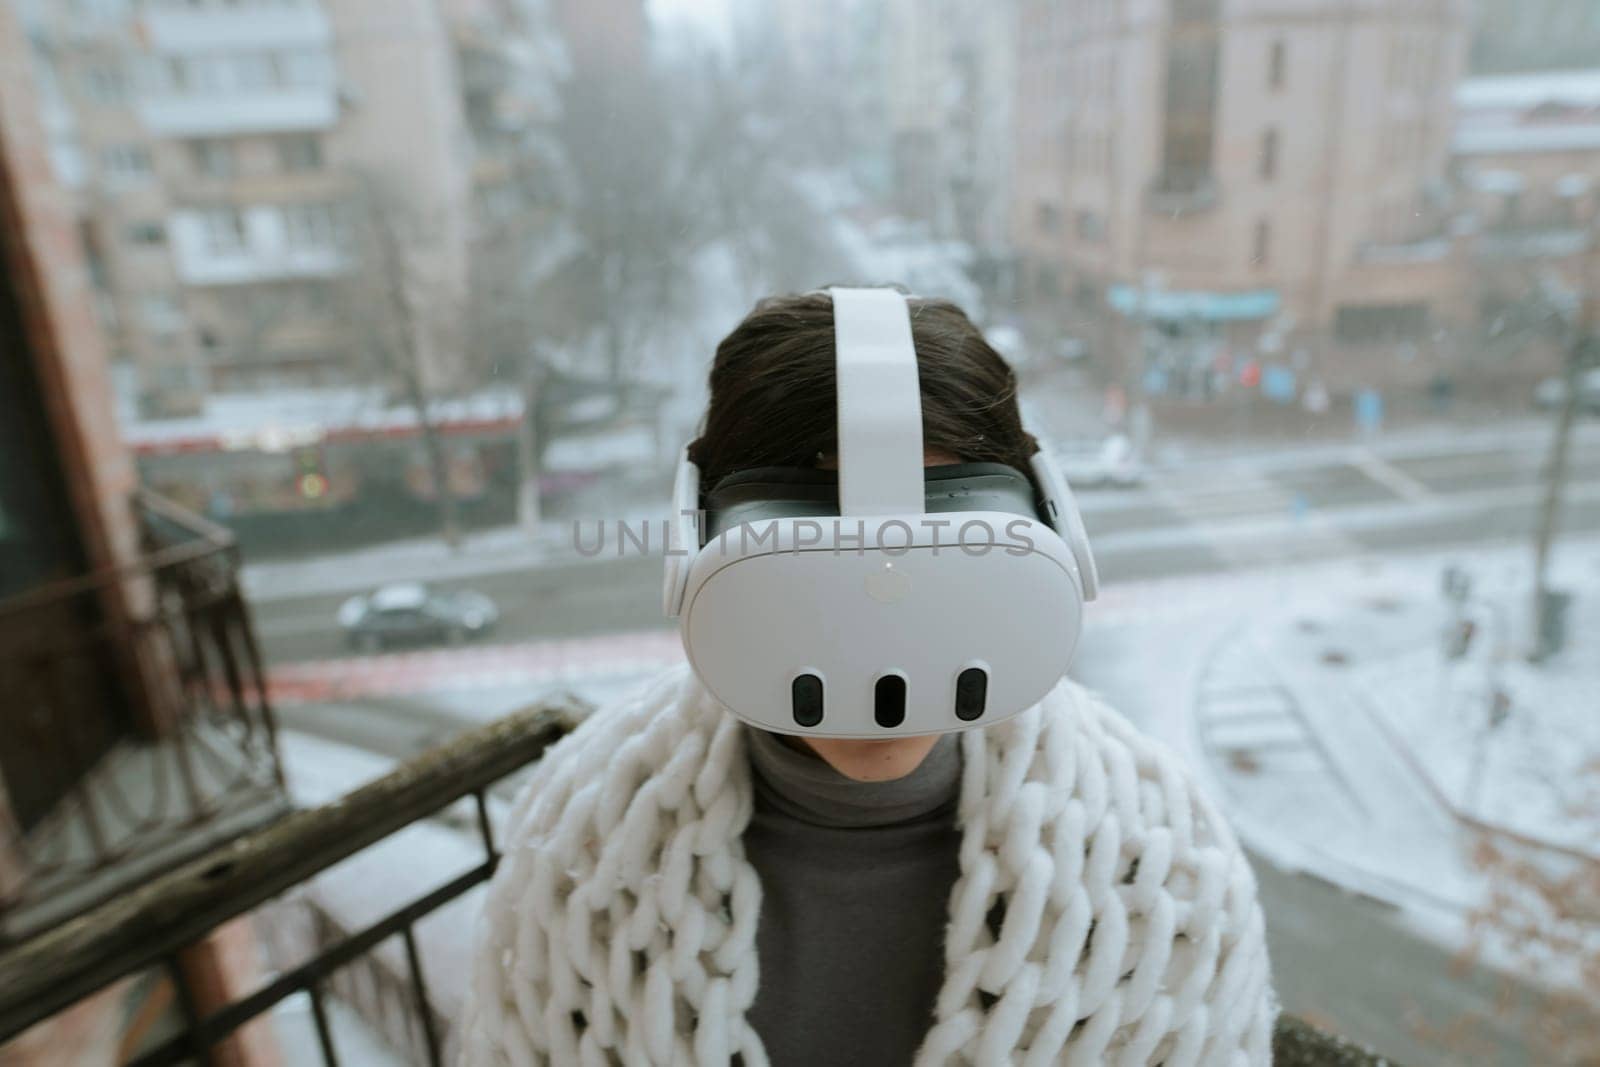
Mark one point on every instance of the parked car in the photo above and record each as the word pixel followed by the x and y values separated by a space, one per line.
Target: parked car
pixel 1552 393
pixel 1114 465
pixel 412 613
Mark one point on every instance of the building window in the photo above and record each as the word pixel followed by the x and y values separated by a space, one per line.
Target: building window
pixel 257 70
pixel 212 158
pixel 1263 243
pixel 106 84
pixel 1047 218
pixel 314 225
pixel 1269 155
pixel 196 74
pixel 146 233
pixel 1089 226
pixel 306 69
pixel 1369 323
pixel 161 313
pixel 300 152
pixel 1277 60
pixel 1046 283
pixel 316 299
pixel 1190 98
pixel 126 163
pixel 224 229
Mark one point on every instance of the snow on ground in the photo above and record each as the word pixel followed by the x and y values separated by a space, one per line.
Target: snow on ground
pixel 1510 743
pixel 397 870
pixel 320 772
pixel 1341 740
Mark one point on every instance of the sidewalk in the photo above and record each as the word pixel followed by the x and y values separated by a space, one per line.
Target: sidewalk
pixel 1345 744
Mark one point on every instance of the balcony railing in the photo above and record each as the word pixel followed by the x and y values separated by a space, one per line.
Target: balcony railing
pixel 148 927
pixel 139 737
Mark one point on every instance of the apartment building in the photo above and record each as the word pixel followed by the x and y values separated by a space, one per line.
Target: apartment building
pixel 1527 151
pixel 225 156
pixel 1527 162
pixel 951 85
pixel 1215 181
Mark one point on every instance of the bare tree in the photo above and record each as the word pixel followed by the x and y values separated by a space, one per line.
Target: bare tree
pixel 628 190
pixel 400 317
pixel 513 331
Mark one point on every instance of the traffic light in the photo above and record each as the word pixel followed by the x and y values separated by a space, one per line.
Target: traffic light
pixel 311 477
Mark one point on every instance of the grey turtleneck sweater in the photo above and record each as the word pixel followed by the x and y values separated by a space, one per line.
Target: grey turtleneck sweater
pixel 856 880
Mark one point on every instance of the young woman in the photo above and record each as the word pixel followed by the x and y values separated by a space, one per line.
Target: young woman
pixel 680 888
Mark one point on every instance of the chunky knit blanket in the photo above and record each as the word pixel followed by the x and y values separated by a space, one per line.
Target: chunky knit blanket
pixel 621 925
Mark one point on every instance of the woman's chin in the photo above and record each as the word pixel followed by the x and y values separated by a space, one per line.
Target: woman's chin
pixel 872 761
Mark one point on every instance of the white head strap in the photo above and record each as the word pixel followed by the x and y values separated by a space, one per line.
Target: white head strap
pixel 880 404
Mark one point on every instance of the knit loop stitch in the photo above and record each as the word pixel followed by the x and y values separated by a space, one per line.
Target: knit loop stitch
pixel 621 925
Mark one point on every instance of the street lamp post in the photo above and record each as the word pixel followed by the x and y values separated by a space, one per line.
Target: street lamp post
pixel 1583 356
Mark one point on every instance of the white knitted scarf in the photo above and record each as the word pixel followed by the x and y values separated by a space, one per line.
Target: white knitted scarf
pixel 621 925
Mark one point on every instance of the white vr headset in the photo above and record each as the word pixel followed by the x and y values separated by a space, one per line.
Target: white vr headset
pixel 883 599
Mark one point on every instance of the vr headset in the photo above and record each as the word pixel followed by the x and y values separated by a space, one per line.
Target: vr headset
pixel 882 599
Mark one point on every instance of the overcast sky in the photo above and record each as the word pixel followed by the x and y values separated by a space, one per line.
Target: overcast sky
pixel 708 16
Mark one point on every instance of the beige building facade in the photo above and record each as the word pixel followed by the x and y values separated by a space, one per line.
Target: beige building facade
pixel 1222 181
pixel 224 155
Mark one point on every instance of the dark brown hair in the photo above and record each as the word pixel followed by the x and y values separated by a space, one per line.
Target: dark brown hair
pixel 772 390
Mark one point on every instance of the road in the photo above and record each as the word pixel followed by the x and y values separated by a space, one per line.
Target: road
pixel 1184 520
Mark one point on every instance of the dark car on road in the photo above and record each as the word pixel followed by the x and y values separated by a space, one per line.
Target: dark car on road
pixel 410 613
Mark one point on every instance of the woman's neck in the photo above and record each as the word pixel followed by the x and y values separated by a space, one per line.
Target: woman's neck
pixel 798 783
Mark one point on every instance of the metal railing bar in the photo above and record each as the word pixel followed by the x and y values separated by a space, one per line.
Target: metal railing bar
pixel 319 1014
pixel 182 517
pixel 310 974
pixel 55 969
pixel 487 831
pixel 145 566
pixel 419 986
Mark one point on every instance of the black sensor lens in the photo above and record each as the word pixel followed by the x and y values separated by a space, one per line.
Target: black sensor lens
pixel 806 695
pixel 889 701
pixel 972 689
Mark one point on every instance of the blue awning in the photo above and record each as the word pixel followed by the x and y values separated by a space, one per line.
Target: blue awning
pixel 1194 303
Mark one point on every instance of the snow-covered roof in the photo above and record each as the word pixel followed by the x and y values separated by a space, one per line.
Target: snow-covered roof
pixel 1577 88
pixel 1500 114
pixel 283 419
pixel 1506 137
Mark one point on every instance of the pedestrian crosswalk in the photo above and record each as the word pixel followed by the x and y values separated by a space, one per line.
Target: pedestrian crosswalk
pixel 1247 518
pixel 1254 735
